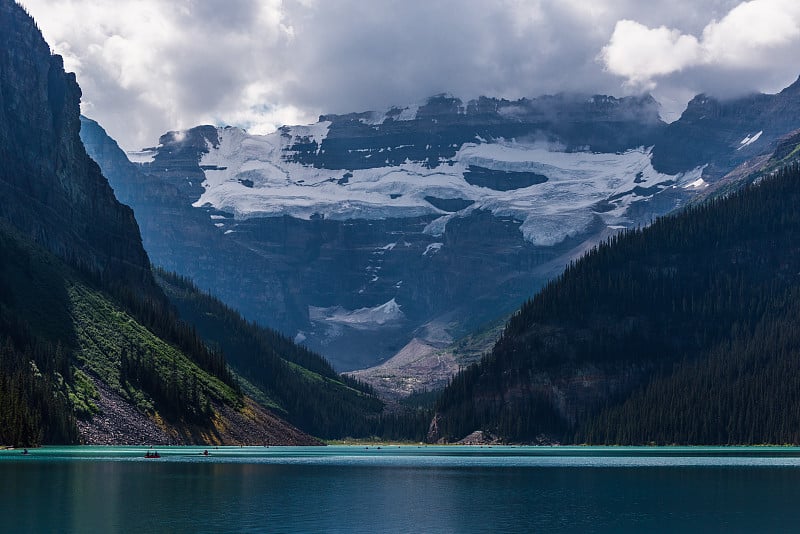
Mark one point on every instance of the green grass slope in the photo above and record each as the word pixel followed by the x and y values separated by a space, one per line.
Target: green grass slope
pixel 300 383
pixel 62 336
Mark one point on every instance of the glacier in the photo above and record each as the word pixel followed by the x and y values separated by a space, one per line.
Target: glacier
pixel 251 176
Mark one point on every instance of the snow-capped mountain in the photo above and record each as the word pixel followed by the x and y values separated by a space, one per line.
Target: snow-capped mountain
pixel 554 193
pixel 362 231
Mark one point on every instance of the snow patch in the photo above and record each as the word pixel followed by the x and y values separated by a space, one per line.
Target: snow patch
pixel 433 248
pixel 551 229
pixel 697 184
pixel 387 314
pixel 147 155
pixel 749 140
pixel 407 114
pixel 316 132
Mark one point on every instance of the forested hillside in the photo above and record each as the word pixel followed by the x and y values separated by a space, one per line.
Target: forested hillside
pixel 678 333
pixel 300 384
pixel 91 349
pixel 63 332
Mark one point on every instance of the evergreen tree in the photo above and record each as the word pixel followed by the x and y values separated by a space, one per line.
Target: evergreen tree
pixel 687 324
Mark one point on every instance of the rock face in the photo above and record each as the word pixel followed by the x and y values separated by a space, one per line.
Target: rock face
pixel 119 423
pixel 51 190
pixel 423 366
pixel 419 366
pixel 364 231
pixel 724 134
pixel 73 264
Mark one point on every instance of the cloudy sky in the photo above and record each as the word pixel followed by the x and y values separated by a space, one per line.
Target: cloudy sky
pixel 149 66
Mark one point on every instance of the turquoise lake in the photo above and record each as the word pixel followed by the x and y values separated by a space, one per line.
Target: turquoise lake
pixel 401 489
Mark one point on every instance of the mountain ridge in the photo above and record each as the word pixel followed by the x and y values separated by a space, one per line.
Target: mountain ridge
pixel 76 216
pixel 435 212
pixel 86 334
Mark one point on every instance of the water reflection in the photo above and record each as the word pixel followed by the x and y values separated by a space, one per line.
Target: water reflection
pixel 333 490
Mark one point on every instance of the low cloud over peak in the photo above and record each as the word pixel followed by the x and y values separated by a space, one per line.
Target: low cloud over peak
pixel 148 66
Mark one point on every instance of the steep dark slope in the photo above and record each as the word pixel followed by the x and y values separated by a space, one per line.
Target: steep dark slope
pixel 656 331
pixel 50 189
pixel 91 348
pixel 746 391
pixel 34 405
pixel 130 179
pixel 80 365
pixel 302 386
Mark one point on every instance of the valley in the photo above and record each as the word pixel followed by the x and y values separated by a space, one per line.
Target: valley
pixel 379 239
pixel 541 270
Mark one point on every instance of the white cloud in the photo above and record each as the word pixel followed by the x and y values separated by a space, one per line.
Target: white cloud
pixel 759 35
pixel 752 32
pixel 148 66
pixel 640 54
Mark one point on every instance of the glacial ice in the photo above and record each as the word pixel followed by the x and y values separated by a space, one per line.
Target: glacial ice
pixel 549 212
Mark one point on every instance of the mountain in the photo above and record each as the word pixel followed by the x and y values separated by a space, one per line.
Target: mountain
pixel 91 349
pixel 684 332
pixel 724 134
pixel 51 190
pixel 424 368
pixel 362 232
pixel 83 364
pixel 296 383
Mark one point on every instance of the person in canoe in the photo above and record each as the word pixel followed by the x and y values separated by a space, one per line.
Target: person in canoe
pixel 152 454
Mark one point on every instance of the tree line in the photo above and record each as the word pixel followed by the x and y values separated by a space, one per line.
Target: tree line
pixel 670 311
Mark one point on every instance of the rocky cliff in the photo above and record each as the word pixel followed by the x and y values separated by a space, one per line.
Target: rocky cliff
pixel 90 349
pixel 50 189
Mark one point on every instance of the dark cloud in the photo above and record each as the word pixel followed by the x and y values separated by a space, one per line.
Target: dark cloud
pixel 394 54
pixel 148 66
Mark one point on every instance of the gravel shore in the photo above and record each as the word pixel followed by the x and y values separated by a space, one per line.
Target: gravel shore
pixel 119 423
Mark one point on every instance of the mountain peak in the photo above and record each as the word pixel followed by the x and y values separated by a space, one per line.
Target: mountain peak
pixel 793 88
pixel 367 226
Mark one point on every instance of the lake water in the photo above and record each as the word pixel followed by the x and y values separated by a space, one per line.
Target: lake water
pixel 401 489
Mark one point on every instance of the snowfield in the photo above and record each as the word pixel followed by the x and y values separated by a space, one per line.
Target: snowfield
pixel 249 176
pixel 387 314
pixel 749 140
pixel 142 156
